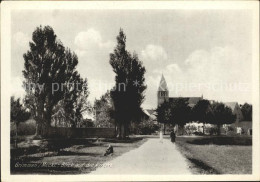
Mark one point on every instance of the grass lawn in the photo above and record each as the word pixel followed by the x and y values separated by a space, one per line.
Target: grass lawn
pixel 220 158
pixel 71 156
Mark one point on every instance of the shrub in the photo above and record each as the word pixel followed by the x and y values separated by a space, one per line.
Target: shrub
pixel 213 131
pixel 146 128
pixel 190 129
pixel 13 128
pixel 198 133
pixel 27 128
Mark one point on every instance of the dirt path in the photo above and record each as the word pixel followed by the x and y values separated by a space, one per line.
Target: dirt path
pixel 153 157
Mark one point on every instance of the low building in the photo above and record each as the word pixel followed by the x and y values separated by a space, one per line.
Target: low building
pixel 235 110
pixel 150 114
pixel 240 126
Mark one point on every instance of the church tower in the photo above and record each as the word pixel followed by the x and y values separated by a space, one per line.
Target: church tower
pixel 163 92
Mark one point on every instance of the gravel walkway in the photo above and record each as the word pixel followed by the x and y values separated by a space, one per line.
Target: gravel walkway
pixel 153 157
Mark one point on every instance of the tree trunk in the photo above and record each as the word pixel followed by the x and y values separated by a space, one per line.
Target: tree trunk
pixel 203 128
pixel 164 128
pixel 45 130
pixel 127 130
pixel 39 118
pixel 119 126
pixel 115 129
pixel 180 130
pixel 47 121
pixel 16 128
pixel 123 133
pixel 16 135
pixel 218 128
pixel 37 129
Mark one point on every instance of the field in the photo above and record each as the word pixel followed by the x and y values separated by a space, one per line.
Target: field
pixel 217 155
pixel 205 155
pixel 72 156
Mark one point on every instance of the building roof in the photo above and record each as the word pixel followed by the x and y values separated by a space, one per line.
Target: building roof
pixel 150 111
pixel 163 85
pixel 194 100
pixel 232 105
pixel 191 100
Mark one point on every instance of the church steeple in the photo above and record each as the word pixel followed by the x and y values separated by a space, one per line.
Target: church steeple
pixel 163 85
pixel 163 93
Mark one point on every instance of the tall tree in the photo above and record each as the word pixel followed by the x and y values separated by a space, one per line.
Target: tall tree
pixel 247 111
pixel 181 112
pixel 104 111
pixel 175 112
pixel 75 101
pixel 48 67
pixel 164 114
pixel 128 93
pixel 201 112
pixel 222 114
pixel 18 112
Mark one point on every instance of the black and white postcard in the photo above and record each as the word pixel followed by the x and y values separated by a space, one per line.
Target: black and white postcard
pixel 135 90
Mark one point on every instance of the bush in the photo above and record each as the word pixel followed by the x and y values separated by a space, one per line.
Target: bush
pixel 27 128
pixel 146 128
pixel 198 133
pixel 190 129
pixel 13 128
pixel 213 131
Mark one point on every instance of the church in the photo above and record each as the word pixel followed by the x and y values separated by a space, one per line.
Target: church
pixel 163 95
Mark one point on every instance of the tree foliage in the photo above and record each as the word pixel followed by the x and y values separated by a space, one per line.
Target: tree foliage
pixel 202 112
pixel 164 113
pixel 128 93
pixel 222 114
pixel 104 111
pixel 18 112
pixel 181 111
pixel 49 68
pixel 247 111
pixel 176 112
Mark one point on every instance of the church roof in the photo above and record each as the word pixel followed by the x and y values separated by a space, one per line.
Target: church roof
pixel 150 111
pixel 232 105
pixel 163 85
pixel 192 100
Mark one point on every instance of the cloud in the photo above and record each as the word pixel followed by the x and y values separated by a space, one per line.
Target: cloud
pixel 21 39
pixel 93 52
pixel 198 58
pixel 219 64
pixel 154 53
pixel 171 68
pixel 80 52
pixel 17 90
pixel 90 39
pixel 98 87
pixel 220 73
pixel 225 70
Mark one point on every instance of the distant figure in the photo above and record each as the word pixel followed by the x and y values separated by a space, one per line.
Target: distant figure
pixel 161 136
pixel 173 136
pixel 239 130
pixel 98 141
pixel 109 150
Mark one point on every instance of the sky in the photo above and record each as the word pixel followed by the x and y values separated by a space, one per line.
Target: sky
pixel 199 52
